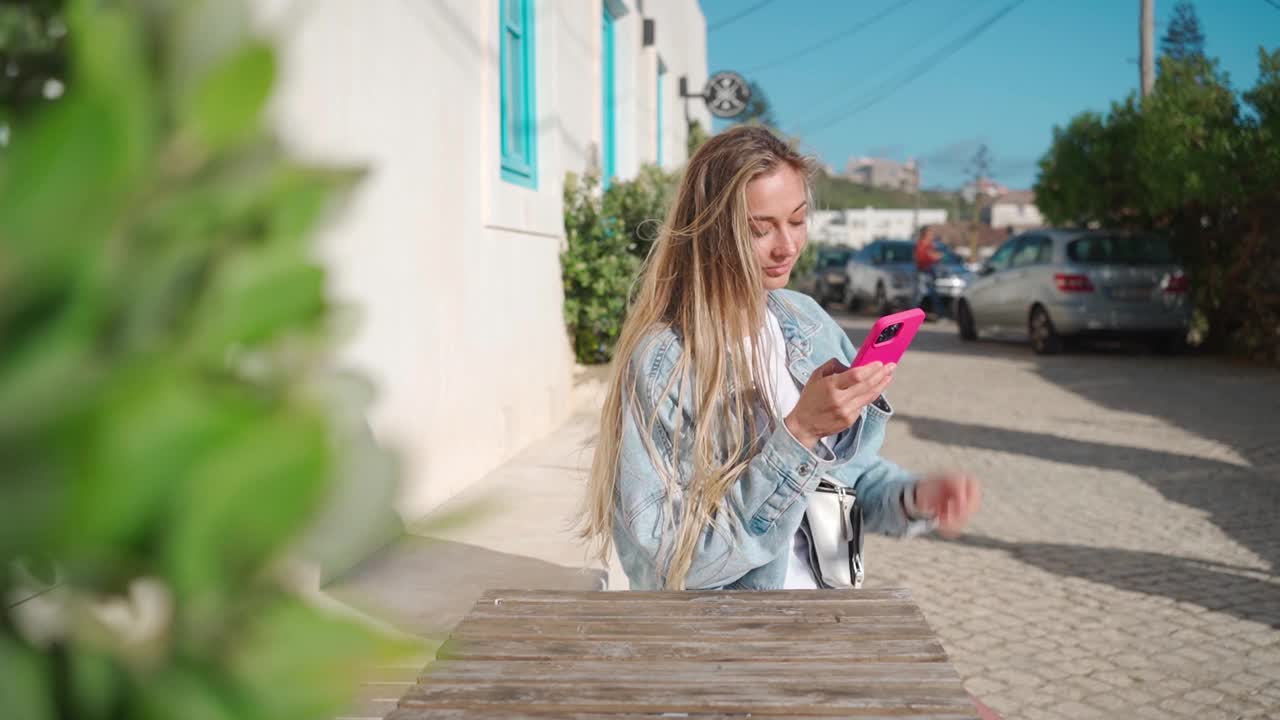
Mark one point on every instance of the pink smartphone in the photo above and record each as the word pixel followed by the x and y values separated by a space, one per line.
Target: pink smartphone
pixel 889 338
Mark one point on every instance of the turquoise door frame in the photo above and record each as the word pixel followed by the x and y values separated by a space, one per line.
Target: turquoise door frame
pixel 608 94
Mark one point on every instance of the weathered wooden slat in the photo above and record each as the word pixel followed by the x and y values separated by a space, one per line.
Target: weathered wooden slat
pixel 584 655
pixel 496 713
pixel 750 597
pixel 804 612
pixel 853 630
pixel 675 672
pixel 922 650
pixel 804 698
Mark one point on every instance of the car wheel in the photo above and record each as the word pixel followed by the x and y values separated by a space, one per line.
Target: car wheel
pixel 851 300
pixel 882 300
pixel 964 321
pixel 1045 340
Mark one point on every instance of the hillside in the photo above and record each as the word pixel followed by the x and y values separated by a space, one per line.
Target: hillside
pixel 832 193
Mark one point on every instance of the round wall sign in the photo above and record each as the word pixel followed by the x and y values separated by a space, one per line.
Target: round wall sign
pixel 726 94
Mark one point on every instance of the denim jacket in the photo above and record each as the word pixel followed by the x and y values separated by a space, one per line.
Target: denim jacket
pixel 769 499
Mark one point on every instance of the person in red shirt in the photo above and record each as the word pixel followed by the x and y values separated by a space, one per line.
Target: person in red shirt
pixel 927 257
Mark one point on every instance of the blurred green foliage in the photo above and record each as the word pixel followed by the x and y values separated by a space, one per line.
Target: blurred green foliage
pixel 33 57
pixel 1192 162
pixel 170 430
pixel 608 235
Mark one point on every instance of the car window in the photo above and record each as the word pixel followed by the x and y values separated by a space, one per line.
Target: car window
pixel 1120 250
pixel 948 255
pixel 899 253
pixel 1032 251
pixel 1046 251
pixel 833 260
pixel 1000 260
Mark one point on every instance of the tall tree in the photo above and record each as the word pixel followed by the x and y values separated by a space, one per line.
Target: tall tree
pixel 980 163
pixel 980 169
pixel 1184 39
pixel 1196 165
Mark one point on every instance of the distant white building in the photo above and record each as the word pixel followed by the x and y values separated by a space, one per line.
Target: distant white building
pixel 1013 209
pixel 985 187
pixel 856 228
pixel 881 173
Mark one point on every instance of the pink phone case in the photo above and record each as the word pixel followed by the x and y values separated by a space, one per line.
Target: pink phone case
pixel 892 349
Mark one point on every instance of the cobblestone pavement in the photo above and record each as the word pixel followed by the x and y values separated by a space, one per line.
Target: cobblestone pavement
pixel 1124 564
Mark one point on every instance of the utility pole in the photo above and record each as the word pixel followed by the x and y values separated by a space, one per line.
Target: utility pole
pixel 1146 44
pixel 915 196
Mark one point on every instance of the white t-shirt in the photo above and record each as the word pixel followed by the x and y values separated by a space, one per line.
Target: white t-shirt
pixel 786 395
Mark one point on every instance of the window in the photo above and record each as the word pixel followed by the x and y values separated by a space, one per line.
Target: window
pixel 898 252
pixel 662 75
pixel 1120 250
pixel 607 95
pixel 1000 260
pixel 834 259
pixel 948 255
pixel 1034 250
pixel 519 131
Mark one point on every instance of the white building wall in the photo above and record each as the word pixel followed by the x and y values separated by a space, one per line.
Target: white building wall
pixel 456 271
pixel 681 42
pixel 1018 215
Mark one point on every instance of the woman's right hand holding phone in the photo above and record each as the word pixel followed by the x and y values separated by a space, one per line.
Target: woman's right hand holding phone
pixel 834 397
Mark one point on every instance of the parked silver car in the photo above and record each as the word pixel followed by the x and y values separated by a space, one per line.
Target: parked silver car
pixel 884 274
pixel 1055 285
pixel 825 283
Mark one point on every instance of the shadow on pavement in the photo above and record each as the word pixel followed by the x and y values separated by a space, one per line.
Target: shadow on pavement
pixel 1242 502
pixel 1214 586
pixel 1234 405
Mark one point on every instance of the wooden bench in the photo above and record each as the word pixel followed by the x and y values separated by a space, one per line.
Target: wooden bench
pixel 798 654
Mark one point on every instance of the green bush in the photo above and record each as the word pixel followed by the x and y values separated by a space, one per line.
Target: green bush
pixel 1190 163
pixel 169 431
pixel 608 235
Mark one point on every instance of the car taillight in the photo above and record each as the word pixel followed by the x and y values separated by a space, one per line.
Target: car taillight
pixel 1073 283
pixel 1177 284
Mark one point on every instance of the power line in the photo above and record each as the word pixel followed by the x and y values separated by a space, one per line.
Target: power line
pixel 885 90
pixel 819 106
pixel 839 35
pixel 721 23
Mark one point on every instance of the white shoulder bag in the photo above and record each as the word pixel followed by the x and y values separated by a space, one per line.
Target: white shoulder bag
pixel 833 526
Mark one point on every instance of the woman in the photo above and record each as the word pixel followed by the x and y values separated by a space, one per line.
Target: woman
pixel 731 396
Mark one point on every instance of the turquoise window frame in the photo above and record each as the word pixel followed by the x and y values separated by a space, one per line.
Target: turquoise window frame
pixel 608 94
pixel 662 74
pixel 515 34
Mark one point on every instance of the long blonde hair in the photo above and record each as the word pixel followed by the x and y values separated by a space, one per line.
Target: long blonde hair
pixel 703 281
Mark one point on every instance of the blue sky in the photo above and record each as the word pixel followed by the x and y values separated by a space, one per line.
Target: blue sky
pixel 1035 67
